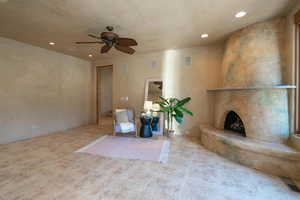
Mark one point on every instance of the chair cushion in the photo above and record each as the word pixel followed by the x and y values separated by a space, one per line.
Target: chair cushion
pixel 125 127
pixel 122 116
pixel 130 115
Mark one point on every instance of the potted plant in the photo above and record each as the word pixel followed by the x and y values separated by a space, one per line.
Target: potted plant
pixel 173 109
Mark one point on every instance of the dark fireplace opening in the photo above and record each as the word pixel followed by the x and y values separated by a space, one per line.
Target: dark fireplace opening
pixel 234 123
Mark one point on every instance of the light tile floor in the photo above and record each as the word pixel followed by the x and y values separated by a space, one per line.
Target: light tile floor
pixel 46 168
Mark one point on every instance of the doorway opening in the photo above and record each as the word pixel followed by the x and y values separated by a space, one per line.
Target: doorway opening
pixel 104 94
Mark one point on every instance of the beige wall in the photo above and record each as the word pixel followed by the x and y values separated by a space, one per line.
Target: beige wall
pixel 41 91
pixel 131 72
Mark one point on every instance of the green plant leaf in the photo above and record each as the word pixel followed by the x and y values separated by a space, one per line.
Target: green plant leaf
pixel 184 110
pixel 161 103
pixel 178 113
pixel 172 100
pixel 164 100
pixel 178 119
pixel 172 107
pixel 163 109
pixel 183 101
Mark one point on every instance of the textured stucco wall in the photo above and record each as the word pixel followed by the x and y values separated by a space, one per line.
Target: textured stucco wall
pixel 254 55
pixel 263 112
pixel 131 72
pixel 41 91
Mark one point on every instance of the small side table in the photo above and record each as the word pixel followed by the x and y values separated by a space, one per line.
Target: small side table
pixel 146 129
pixel 155 124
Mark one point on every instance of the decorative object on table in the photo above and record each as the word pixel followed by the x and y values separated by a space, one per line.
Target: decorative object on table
pixel 125 121
pixel 146 126
pixel 156 118
pixel 173 109
pixel 148 106
pixel 129 148
pixel 154 88
pixel 155 123
pixel 155 109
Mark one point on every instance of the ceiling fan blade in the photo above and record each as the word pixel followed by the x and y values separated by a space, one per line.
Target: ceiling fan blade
pixel 94 36
pixel 125 49
pixel 89 42
pixel 105 48
pixel 126 42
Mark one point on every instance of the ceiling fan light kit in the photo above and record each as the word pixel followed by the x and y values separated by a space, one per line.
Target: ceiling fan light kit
pixel 111 39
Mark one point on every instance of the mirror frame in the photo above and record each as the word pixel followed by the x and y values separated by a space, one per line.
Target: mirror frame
pixel 161 115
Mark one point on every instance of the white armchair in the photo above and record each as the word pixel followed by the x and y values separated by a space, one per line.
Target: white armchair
pixel 125 122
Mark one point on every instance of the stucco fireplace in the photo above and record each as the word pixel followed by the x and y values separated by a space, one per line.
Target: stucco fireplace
pixel 251 116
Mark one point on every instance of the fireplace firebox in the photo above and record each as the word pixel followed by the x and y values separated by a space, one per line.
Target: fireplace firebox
pixel 234 123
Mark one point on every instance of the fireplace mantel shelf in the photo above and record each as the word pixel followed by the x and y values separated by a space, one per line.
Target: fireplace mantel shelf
pixel 254 88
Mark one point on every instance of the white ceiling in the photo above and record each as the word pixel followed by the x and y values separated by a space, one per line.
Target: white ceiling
pixel 155 24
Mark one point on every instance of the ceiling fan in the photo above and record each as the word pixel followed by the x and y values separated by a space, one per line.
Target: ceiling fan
pixel 111 39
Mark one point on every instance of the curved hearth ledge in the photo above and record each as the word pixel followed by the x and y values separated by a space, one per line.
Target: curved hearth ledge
pixel 295 141
pixel 274 158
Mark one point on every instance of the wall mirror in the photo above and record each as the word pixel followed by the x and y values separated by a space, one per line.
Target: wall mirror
pixel 153 90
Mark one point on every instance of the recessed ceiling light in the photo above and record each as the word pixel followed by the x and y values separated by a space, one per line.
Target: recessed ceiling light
pixel 52 43
pixel 240 14
pixel 204 35
pixel 90 55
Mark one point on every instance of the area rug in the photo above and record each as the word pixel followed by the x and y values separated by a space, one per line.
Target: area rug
pixel 129 148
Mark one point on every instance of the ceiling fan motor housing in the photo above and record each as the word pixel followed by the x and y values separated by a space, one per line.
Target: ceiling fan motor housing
pixel 110 28
pixel 109 36
pixel 112 39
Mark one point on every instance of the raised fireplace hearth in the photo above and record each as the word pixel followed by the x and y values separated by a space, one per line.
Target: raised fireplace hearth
pixel 251 116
